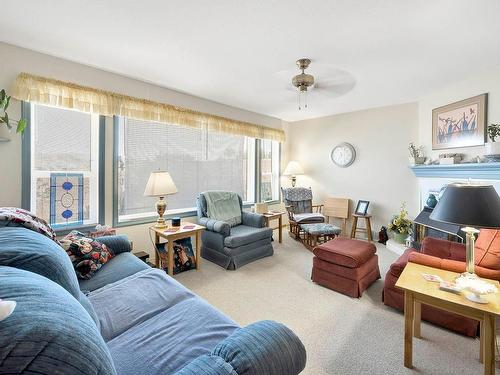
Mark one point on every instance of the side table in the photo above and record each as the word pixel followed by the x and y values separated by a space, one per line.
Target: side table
pixel 185 230
pixel 367 228
pixel 268 216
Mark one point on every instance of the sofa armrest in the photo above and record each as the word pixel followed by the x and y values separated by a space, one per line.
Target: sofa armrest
pixel 217 226
pixel 265 347
pixel 452 265
pixel 252 219
pixel 443 248
pixel 117 243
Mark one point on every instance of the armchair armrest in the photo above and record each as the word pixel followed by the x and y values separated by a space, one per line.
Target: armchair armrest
pixel 443 249
pixel 117 243
pixel 252 219
pixel 452 265
pixel 318 207
pixel 265 347
pixel 217 226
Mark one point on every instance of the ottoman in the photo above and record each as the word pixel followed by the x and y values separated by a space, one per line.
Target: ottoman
pixel 345 265
pixel 318 233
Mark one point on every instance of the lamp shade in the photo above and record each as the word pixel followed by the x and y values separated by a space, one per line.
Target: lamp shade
pixel 160 184
pixel 469 205
pixel 293 168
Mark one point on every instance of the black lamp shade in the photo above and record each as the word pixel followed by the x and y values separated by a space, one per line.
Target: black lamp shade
pixel 469 205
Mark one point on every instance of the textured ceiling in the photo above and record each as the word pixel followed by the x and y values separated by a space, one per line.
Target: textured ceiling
pixel 242 53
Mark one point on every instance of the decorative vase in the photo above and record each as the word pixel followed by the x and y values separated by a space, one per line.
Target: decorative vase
pixel 419 160
pixel 431 201
pixel 399 237
pixel 492 151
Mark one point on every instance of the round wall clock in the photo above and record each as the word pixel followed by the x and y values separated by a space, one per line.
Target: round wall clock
pixel 343 154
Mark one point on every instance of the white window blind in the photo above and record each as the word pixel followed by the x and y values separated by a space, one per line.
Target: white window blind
pixel 196 159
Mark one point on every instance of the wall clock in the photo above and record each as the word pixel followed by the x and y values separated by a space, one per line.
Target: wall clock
pixel 343 154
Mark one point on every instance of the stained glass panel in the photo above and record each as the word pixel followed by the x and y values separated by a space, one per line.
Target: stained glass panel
pixel 66 198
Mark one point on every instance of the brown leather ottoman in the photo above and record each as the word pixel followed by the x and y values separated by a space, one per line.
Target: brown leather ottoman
pixel 345 265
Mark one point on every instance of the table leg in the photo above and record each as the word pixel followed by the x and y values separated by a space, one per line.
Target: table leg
pixel 157 256
pixel 368 229
pixel 417 319
pixel 489 344
pixel 198 250
pixel 481 341
pixel 408 341
pixel 354 225
pixel 280 229
pixel 170 251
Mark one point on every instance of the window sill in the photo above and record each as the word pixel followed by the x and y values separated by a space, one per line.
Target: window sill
pixel 80 228
pixel 150 219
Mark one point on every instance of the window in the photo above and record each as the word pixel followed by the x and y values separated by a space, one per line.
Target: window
pixel 197 160
pixel 269 170
pixel 63 164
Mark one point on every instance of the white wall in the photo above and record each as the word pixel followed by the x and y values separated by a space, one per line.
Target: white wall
pixel 14 60
pixel 380 173
pixel 479 83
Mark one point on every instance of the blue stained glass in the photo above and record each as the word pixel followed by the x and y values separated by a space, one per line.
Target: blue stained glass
pixel 67 186
pixel 67 214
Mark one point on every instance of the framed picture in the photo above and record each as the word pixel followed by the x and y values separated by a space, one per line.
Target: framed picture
pixel 460 124
pixel 362 207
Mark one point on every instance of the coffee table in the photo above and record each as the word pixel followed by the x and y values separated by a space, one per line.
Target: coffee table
pixel 419 291
pixel 171 234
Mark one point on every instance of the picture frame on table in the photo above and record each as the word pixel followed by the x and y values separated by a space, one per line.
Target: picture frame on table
pixel 362 207
pixel 460 124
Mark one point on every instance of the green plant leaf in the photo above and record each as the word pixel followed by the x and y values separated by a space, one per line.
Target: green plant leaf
pixel 21 125
pixel 7 101
pixel 2 95
pixel 6 118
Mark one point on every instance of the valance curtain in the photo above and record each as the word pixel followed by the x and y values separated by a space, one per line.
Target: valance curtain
pixel 52 92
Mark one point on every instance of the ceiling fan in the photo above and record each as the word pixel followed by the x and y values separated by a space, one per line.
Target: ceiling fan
pixel 327 81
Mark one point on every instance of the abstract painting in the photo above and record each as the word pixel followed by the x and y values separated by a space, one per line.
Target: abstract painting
pixel 460 124
pixel 66 199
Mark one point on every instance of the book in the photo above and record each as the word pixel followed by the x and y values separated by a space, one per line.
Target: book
pixel 188 227
pixel 450 287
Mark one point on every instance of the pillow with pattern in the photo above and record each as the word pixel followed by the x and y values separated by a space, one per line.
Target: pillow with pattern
pixel 86 254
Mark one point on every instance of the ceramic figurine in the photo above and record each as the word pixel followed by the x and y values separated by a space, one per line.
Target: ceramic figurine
pixel 382 235
pixel 431 201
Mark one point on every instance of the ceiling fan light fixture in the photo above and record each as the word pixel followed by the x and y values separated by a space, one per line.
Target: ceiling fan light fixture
pixel 303 81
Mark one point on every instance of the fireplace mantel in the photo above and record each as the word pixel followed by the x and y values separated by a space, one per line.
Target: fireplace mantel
pixel 482 171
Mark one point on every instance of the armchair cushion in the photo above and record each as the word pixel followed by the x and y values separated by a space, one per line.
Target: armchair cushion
pixel 215 225
pixel 443 248
pixel 309 217
pixel 244 234
pixel 252 219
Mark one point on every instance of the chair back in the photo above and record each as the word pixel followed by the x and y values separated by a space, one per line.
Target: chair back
pixel 201 205
pixel 336 207
pixel 298 198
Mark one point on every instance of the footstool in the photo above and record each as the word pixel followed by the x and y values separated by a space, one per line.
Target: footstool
pixel 345 265
pixel 318 233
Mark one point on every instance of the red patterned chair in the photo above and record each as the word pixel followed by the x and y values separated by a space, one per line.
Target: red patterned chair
pixel 449 256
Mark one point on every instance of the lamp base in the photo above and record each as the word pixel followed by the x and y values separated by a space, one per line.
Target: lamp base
pixel 161 207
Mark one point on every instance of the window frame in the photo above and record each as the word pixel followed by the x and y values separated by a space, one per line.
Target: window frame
pixel 188 212
pixel 26 174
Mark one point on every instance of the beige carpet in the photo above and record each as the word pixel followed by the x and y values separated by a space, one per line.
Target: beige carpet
pixel 342 335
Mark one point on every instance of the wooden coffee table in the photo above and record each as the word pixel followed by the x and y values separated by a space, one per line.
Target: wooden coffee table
pixel 268 216
pixel 171 234
pixel 419 291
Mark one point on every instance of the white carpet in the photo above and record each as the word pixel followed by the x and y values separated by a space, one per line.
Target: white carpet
pixel 342 335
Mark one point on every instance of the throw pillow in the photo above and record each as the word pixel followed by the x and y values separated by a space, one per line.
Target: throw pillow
pixel 86 254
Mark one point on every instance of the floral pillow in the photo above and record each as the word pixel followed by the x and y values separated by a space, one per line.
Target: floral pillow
pixel 86 254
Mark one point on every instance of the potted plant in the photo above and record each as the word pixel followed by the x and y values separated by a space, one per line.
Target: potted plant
pixel 4 116
pixel 416 157
pixel 400 226
pixel 492 149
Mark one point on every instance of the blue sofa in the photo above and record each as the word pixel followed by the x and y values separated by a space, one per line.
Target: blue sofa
pixel 234 247
pixel 128 319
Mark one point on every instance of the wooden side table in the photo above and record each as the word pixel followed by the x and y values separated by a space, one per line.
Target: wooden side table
pixel 419 291
pixel 367 228
pixel 268 216
pixel 171 234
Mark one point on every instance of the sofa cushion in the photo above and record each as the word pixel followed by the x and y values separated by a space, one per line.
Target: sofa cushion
pixel 179 334
pixel 345 251
pixel 25 249
pixel 487 249
pixel 243 235
pixel 49 332
pixel 122 265
pixel 133 300
pixel 87 305
pixel 86 254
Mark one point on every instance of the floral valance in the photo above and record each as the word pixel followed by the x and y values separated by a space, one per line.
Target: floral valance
pixel 52 92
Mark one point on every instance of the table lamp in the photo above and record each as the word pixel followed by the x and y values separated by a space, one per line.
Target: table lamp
pixel 159 185
pixel 293 169
pixel 471 206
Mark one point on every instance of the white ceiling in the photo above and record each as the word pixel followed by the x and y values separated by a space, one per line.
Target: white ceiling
pixel 240 53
